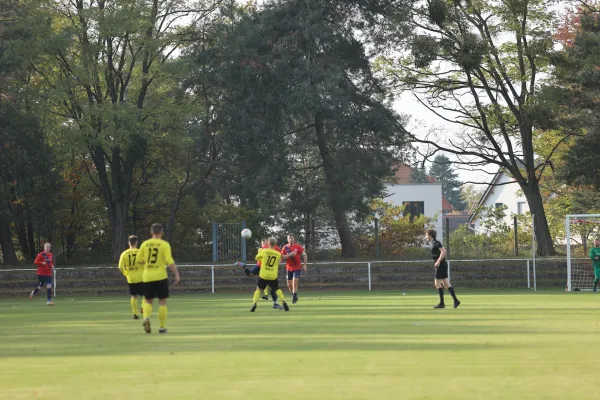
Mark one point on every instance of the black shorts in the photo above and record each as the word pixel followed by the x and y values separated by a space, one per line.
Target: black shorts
pixel 156 289
pixel 263 283
pixel 442 271
pixel 136 289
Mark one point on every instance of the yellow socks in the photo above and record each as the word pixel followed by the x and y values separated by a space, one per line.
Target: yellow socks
pixel 134 305
pixel 266 291
pixel 280 295
pixel 147 310
pixel 256 296
pixel 162 315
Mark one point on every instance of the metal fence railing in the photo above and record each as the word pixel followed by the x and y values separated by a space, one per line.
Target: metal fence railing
pixel 362 275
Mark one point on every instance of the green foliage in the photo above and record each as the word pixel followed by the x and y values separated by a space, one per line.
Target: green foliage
pixel 302 87
pixel 575 94
pixel 498 239
pixel 441 170
pixel 419 175
pixel 477 65
pixel 399 234
pixel 471 195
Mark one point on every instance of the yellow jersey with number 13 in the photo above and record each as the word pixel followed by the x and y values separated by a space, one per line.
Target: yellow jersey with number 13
pixel 129 266
pixel 269 263
pixel 155 254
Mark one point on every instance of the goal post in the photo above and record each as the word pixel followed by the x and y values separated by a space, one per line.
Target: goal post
pixel 580 228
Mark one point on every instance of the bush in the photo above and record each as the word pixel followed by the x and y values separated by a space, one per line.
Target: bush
pixel 399 235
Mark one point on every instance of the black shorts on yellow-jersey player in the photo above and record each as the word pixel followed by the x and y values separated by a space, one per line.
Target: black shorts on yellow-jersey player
pixel 269 259
pixel 155 255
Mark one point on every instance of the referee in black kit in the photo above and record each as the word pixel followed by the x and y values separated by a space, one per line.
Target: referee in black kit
pixel 441 268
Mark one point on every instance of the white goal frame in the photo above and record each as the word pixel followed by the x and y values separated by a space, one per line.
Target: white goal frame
pixel 568 219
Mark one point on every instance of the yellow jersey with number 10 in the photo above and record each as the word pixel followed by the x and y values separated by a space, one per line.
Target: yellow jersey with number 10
pixel 156 256
pixel 269 263
pixel 129 266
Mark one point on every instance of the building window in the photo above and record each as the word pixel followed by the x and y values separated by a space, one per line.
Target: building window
pixel 499 211
pixel 414 208
pixel 521 208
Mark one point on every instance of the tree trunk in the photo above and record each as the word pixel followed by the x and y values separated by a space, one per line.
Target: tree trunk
pixel 308 232
pixel 22 235
pixel 31 238
pixel 545 246
pixel 20 224
pixel 6 244
pixel 70 245
pixel 172 216
pixel 116 192
pixel 119 230
pixel 335 189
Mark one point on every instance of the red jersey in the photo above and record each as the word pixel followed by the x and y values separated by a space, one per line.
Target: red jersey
pixel 266 246
pixel 293 263
pixel 44 270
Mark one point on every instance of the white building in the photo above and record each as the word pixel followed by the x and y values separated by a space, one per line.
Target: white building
pixel 504 193
pixel 419 198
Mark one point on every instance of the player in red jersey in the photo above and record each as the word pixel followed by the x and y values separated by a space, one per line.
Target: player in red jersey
pixel 45 263
pixel 255 270
pixel 294 265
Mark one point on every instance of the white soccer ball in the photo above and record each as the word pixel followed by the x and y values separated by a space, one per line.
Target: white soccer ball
pixel 246 234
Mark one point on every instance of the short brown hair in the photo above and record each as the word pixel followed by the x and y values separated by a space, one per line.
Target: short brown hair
pixel 156 228
pixel 432 233
pixel 133 240
pixel 272 242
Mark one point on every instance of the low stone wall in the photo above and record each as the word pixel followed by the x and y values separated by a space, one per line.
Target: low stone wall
pixel 102 280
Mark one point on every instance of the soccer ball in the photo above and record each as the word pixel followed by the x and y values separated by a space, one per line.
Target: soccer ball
pixel 246 234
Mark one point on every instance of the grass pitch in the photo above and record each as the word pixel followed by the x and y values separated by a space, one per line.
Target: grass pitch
pixel 500 345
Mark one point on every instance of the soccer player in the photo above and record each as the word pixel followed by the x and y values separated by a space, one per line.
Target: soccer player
pixel 595 257
pixel 45 263
pixel 255 271
pixel 155 256
pixel 293 265
pixel 441 268
pixel 133 272
pixel 269 272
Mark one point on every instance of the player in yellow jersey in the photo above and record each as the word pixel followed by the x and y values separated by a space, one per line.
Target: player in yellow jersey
pixel 155 256
pixel 269 259
pixel 133 272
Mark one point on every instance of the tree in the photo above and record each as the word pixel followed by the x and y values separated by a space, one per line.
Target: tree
pixel 441 170
pixel 576 93
pixel 471 195
pixel 29 185
pixel 477 65
pixel 110 71
pixel 309 74
pixel 419 175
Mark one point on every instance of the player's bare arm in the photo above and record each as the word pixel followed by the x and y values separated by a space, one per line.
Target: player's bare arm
pixel 305 259
pixel 175 272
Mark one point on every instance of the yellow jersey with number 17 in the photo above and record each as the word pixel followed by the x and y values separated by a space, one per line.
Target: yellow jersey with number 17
pixel 155 254
pixel 269 263
pixel 129 266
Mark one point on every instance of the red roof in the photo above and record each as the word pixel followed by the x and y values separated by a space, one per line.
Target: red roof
pixel 402 174
pixel 446 206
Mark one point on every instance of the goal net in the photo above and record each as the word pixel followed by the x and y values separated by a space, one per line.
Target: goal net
pixel 581 231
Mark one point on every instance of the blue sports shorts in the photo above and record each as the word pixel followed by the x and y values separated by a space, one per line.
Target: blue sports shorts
pixel 294 274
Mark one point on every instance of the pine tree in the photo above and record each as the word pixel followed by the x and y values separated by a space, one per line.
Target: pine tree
pixel 441 170
pixel 576 96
